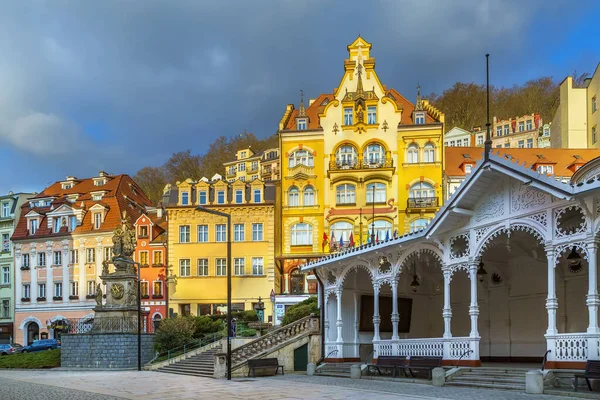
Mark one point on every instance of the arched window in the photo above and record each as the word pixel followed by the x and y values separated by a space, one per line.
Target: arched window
pixel 376 191
pixel 383 229
pixel 297 282
pixel 346 156
pixel 418 224
pixel 340 231
pixel 156 322
pixel 301 234
pixel 421 190
pixel 345 194
pixel 309 196
pixel 413 153
pixel 301 157
pixel 429 153
pixel 374 155
pixel 293 197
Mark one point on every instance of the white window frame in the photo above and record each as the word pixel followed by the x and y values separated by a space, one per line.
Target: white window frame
pixel 239 196
pixel 27 290
pixel 221 267
pixel 371 115
pixel 184 234
pixel 221 198
pixel 5 275
pixel 308 196
pixel 293 197
pixel 257 232
pixel 56 258
pixel 144 257
pixel 258 268
pixel 238 232
pixel 528 125
pixel 202 232
pixel 42 290
pixel 202 266
pixel 301 234
pixel 257 196
pixel 74 288
pixel 348 116
pixel 97 220
pixel 42 259
pixel 154 258
pixel 90 255
pixel 58 289
pixel 72 223
pixel 345 194
pixel 301 124
pixel 380 192
pixel 529 144
pixel 506 130
pixel 421 190
pixel 184 267
pixel 220 232
pixel 74 257
pixel 202 197
pixel 33 226
pixel 5 210
pixel 429 153
pixel 91 288
pixel 412 153
pixel 239 266
pixel 301 157
pixel 374 154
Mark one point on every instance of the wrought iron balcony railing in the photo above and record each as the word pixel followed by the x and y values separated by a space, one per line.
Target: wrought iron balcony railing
pixel 423 202
pixel 341 165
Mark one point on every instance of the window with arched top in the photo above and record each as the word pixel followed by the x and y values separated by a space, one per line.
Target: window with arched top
pixel 340 231
pixel 156 322
pixel 293 197
pixel 376 193
pixel 297 279
pixel 429 153
pixel 374 154
pixel 345 194
pixel 301 157
pixel 412 153
pixel 421 190
pixel 418 224
pixel 309 196
pixel 346 156
pixel 382 230
pixel 302 234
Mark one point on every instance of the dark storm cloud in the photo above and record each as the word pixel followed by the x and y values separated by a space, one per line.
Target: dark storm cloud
pixel 116 85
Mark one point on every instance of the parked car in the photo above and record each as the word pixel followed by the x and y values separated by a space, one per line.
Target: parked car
pixel 44 344
pixel 8 349
pixel 18 347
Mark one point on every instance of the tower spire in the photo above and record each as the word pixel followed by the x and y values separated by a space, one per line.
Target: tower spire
pixel 359 67
pixel 302 112
pixel 419 104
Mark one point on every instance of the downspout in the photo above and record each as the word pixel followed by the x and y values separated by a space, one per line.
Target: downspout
pixel 322 318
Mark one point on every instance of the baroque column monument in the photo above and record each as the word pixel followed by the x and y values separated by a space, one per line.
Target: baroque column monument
pixel 119 312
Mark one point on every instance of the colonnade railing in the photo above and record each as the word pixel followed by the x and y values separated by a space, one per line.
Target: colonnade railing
pixel 574 347
pixel 453 348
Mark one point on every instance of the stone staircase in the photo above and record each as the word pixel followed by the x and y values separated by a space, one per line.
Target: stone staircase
pixel 199 365
pixel 491 378
pixel 341 370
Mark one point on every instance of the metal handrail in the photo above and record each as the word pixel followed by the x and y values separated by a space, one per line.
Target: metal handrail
pixel 545 359
pixel 331 352
pixel 462 355
pixel 187 347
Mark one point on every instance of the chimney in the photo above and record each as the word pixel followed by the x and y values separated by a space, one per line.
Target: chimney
pixel 159 212
pixel 102 173
pixel 71 178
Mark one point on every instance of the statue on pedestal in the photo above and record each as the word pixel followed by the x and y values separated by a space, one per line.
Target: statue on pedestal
pixel 99 296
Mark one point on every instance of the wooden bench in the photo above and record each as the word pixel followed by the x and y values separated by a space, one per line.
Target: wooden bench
pixel 422 363
pixel 388 362
pixel 592 371
pixel 270 364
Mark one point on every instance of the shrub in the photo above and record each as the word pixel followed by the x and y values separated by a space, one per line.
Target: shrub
pixel 248 333
pixel 38 359
pixel 204 325
pixel 174 332
pixel 248 316
pixel 301 310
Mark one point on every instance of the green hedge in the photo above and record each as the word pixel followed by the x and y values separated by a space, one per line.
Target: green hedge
pixel 301 310
pixel 35 360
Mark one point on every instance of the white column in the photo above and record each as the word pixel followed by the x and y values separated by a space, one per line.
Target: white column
pixel 447 311
pixel 326 317
pixel 286 283
pixel 376 317
pixel 33 272
pixel 18 276
pixel 356 326
pixel 65 272
pixel 395 315
pixel 593 300
pixel 551 300
pixel 474 307
pixel 339 324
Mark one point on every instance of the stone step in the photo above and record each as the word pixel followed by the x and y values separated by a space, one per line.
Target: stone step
pixel 334 374
pixel 187 370
pixel 500 386
pixel 494 380
pixel 492 375
pixel 187 373
pixel 196 364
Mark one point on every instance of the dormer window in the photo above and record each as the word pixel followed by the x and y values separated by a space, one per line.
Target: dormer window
pixel 56 225
pixel 257 195
pixel 97 197
pixel 67 186
pixel 239 196
pixel 221 197
pixel 72 223
pixel 468 168
pixel 243 154
pixel 5 210
pixel 529 125
pixel 97 220
pixel 143 231
pixel 521 126
pixel 419 118
pixel 545 169
pixel 301 124
pixel 33 226
pixel 99 182
pixel 185 198
pixel 202 197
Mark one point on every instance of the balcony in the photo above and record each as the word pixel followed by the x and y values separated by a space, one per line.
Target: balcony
pixel 360 164
pixel 252 169
pixel 301 171
pixel 421 203
pixel 231 173
pixel 266 172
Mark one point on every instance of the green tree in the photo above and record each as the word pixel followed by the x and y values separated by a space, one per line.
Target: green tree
pixel 174 332
pixel 301 310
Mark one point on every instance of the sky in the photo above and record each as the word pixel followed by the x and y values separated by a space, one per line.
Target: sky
pixel 118 85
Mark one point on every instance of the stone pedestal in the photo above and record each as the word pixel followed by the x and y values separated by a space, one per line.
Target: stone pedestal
pixel 220 369
pixel 534 382
pixel 120 311
pixel 310 369
pixel 355 371
pixel 438 377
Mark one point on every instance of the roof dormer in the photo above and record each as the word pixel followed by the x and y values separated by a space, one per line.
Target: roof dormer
pixel 97 195
pixel 101 179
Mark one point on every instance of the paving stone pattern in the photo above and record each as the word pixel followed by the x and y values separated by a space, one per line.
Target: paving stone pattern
pixel 147 385
pixel 104 350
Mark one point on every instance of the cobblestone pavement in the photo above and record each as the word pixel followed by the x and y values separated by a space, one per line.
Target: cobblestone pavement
pixel 118 385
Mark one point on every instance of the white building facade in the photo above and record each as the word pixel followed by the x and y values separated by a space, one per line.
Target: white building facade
pixel 507 271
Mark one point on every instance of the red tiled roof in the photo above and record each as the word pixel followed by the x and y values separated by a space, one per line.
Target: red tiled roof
pixel 121 194
pixel 563 160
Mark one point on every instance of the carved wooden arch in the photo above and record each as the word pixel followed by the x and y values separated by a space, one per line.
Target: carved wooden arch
pixel 457 267
pixel 423 247
pixel 563 248
pixel 528 226
pixel 361 264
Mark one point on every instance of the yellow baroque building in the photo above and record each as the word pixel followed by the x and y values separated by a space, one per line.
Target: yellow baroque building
pixel 197 245
pixel 362 163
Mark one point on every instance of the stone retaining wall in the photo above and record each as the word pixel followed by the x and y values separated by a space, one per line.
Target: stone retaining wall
pixel 105 350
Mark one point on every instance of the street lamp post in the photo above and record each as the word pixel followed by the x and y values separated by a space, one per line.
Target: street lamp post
pixel 139 308
pixel 228 216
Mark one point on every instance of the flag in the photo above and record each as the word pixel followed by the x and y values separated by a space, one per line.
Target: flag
pixel 387 235
pixel 341 242
pixel 395 234
pixel 333 244
pixel 377 238
pixel 369 238
pixel 351 241
pixel 325 241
